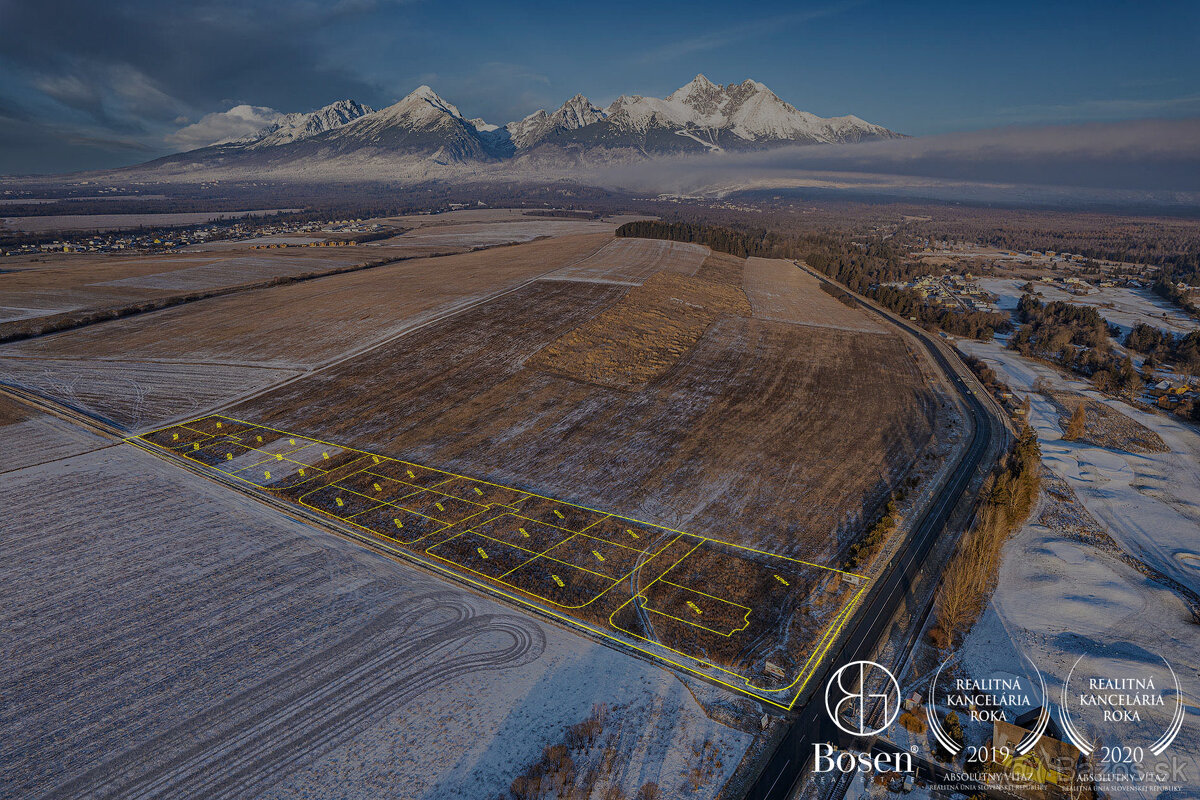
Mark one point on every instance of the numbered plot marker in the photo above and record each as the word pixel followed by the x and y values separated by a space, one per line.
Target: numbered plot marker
pixel 338 500
pixel 477 491
pixel 482 553
pixel 557 580
pixel 694 607
pixel 376 459
pixel 195 445
pixel 229 456
pixel 267 475
pixel 440 507
pixel 291 441
pixel 378 488
pixel 259 438
pixel 631 533
pixel 278 457
pixel 524 532
pixel 301 473
pixel 218 424
pixel 325 455
pixel 596 553
pixel 399 524
pixel 175 437
pixel 558 514
pixel 781 580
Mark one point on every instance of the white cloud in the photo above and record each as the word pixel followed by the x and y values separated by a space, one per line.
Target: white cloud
pixel 1146 158
pixel 224 126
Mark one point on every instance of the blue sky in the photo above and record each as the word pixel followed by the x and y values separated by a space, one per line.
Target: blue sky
pixel 86 84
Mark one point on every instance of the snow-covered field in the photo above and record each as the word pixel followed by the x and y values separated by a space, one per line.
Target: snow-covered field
pixel 1118 305
pixel 1150 503
pixel 164 636
pixel 135 394
pixel 1060 597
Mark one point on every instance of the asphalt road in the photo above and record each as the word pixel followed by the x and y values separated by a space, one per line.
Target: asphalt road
pixel 870 626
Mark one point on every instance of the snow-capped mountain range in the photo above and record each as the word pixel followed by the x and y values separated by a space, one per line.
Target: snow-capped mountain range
pixel 422 127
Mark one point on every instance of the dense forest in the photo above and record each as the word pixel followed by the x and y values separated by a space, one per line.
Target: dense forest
pixel 1075 337
pixel 1160 346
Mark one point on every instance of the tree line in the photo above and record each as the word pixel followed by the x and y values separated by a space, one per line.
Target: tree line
pixel 1075 337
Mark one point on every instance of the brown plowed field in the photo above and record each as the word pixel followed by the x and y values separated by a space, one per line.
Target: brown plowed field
pixel 637 339
pixel 780 437
pixel 781 291
pixel 635 260
pixel 307 323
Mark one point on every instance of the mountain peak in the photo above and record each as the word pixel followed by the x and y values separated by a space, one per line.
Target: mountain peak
pixel 424 101
pixel 294 127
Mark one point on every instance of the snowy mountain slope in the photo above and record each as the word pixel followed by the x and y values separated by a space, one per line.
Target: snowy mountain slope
pixel 293 127
pixel 424 129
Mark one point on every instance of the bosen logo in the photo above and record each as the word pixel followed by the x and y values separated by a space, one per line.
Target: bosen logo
pixel 854 693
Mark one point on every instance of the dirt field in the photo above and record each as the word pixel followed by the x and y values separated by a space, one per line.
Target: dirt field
pixel 177 640
pixel 632 261
pixel 644 334
pixel 775 436
pixel 62 282
pixel 306 323
pixel 781 291
pixel 488 234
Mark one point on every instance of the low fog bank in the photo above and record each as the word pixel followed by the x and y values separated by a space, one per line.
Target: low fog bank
pixel 1154 162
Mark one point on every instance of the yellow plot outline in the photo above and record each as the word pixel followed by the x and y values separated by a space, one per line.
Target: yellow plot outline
pixel 832 631
pixel 745 619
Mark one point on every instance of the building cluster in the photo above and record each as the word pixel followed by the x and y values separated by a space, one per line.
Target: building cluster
pixel 955 292
pixel 1169 394
pixel 153 240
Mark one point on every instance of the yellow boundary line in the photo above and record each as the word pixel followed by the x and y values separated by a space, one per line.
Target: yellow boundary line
pixel 830 634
